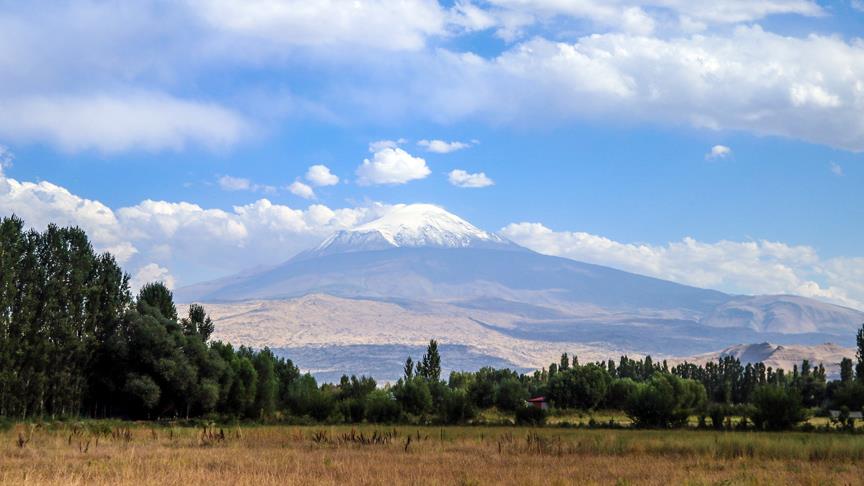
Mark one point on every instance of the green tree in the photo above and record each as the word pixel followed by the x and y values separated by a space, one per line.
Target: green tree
pixel 665 401
pixel 414 396
pixel 266 386
pixel 846 372
pixel 457 407
pixel 382 407
pixel 430 366
pixel 510 394
pixel 859 366
pixel 776 407
pixel 157 295
pixel 143 391
pixel 197 322
pixel 409 368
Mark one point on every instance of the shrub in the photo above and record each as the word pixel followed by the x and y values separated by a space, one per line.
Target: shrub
pixel 530 415
pixel 664 401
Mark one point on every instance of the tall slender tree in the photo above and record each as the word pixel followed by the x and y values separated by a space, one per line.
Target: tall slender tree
pixel 859 367
pixel 430 366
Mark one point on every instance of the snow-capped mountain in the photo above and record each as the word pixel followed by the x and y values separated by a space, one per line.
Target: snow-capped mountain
pixel 420 272
pixel 410 226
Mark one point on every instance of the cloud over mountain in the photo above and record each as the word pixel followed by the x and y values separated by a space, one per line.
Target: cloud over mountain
pixel 738 267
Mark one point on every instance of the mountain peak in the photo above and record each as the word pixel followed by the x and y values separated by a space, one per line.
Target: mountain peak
pixel 411 226
pixel 425 225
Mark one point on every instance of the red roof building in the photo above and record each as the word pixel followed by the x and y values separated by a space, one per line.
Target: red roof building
pixel 538 402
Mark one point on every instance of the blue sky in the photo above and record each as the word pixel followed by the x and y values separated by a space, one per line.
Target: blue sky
pixel 173 132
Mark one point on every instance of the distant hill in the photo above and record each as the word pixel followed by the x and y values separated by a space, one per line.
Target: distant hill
pixel 783 356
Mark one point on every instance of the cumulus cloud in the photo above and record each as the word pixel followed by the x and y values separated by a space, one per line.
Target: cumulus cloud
pixel 151 273
pixel 115 123
pixel 42 203
pixel 718 152
pixel 750 267
pixel 320 175
pixel 391 165
pixel 303 190
pixel 461 178
pixel 193 242
pixel 442 147
pixel 807 88
pixel 837 169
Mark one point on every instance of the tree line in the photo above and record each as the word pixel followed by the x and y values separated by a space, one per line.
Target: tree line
pixel 75 342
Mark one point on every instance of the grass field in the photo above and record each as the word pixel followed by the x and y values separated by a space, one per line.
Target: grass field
pixel 141 454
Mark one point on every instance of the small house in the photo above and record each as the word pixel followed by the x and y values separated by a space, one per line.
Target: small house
pixel 538 402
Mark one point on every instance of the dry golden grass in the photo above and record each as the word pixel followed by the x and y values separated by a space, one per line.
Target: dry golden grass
pixel 452 455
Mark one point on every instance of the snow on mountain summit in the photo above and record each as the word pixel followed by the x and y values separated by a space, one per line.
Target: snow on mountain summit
pixel 411 225
pixel 425 225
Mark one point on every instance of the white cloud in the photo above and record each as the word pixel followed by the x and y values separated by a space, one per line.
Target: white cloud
pixel 442 147
pixel 379 24
pixel 718 152
pixel 809 88
pixel 639 16
pixel 857 5
pixel 379 145
pixel 229 183
pixel 70 64
pixel 460 178
pixel 151 273
pixel 515 15
pixel 751 267
pixel 391 166
pixel 320 175
pixel 6 158
pixel 303 190
pixel 115 123
pixel 40 204
pixel 837 169
pixel 193 242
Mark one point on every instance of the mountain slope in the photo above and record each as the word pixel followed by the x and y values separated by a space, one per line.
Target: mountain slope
pixel 783 314
pixel 461 274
